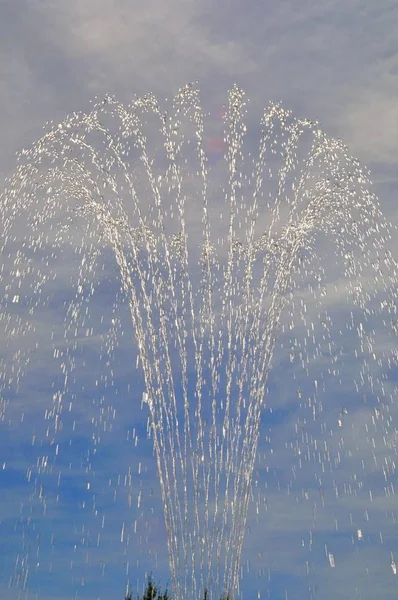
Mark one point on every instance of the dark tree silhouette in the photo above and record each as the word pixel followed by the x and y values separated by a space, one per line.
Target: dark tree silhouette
pixel 152 592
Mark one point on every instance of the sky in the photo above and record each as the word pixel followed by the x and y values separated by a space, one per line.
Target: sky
pixel 70 524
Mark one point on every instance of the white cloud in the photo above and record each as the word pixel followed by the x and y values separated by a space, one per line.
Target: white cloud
pixel 334 60
pixel 371 124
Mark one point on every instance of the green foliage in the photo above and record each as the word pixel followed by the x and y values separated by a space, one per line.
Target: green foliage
pixel 223 597
pixel 152 592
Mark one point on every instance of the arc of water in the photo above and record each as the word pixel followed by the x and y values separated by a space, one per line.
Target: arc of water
pixel 228 317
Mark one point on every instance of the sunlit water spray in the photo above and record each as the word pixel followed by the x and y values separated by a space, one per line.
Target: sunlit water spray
pixel 213 262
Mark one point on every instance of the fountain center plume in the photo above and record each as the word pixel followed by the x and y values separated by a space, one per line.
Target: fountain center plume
pixel 209 256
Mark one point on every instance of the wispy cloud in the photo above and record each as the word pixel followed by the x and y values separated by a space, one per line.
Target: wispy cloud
pixel 324 480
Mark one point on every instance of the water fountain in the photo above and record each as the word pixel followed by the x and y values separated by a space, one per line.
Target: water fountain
pixel 207 259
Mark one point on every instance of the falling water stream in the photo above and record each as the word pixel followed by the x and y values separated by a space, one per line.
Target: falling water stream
pixel 210 260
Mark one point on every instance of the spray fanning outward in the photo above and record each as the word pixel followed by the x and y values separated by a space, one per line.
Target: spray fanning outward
pixel 208 259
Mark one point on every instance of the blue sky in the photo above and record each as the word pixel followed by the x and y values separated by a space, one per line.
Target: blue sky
pixel 69 523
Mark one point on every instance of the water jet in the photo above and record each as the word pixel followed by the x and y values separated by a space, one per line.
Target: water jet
pixel 208 261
